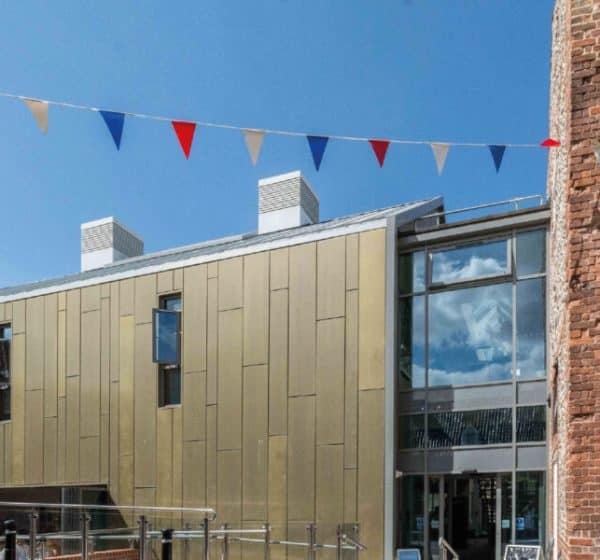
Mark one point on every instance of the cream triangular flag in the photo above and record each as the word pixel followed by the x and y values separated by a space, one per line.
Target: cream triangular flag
pixel 597 152
pixel 254 140
pixel 440 152
pixel 39 109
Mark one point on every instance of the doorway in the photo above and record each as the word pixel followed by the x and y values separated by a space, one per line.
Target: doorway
pixel 472 512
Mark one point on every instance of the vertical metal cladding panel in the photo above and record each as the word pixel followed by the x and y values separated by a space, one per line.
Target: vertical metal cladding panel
pixel 18 317
pixel 90 298
pixel 229 428
pixel 105 356
pixel 61 440
pixel 350 483
pixel 114 436
pixel 194 406
pixel 331 277
pixel 34 437
pixel 90 374
pixel 371 310
pixel 164 282
pixel 254 443
pixel 194 318
pixel 352 261
pixel 351 381
pixel 256 308
pixel 145 298
pixel 34 374
pixel 229 486
pixel 211 456
pixel 330 493
pixel 115 322
pixel 164 457
pixel 104 447
pixel 278 363
pixel 330 381
pixel 62 354
pixel 277 490
pixel 145 403
pixel 212 341
pixel 50 356
pixel 279 268
pixel 370 470
pixel 177 457
pixel 213 269
pixel 73 333
pixel 231 287
pixel 302 319
pixel 178 279
pixel 126 404
pixel 194 473
pixel 301 459
pixel 126 296
pixel 89 453
pixel 18 409
pixel 72 430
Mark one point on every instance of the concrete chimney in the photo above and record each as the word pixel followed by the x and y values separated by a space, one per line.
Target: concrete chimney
pixel 286 201
pixel 106 241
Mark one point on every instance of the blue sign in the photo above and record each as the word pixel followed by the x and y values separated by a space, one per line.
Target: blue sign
pixel 520 523
pixel 408 554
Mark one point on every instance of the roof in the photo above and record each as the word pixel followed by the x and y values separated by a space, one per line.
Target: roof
pixel 226 247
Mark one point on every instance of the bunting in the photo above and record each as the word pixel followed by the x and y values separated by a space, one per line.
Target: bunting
pixel 317 146
pixel 497 155
pixel 380 147
pixel 440 153
pixel 254 140
pixel 39 110
pixel 114 122
pixel 185 135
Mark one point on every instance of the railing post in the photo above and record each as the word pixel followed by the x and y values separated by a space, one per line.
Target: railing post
pixel 143 535
pixel 312 541
pixel 85 535
pixel 267 551
pixel 225 543
pixel 339 539
pixel 186 543
pixel 10 540
pixel 43 548
pixel 33 526
pixel 167 544
pixel 206 538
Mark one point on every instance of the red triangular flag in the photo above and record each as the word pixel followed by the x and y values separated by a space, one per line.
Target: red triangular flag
pixel 380 147
pixel 550 143
pixel 185 135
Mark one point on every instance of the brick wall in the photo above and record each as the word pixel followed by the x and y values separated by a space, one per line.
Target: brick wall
pixel 574 281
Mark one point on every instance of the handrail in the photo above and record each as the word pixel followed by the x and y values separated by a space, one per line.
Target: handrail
pixel 87 507
pixel 514 201
pixel 445 548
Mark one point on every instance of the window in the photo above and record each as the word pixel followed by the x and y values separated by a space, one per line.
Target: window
pixel 531 423
pixel 5 338
pixel 167 349
pixel 473 313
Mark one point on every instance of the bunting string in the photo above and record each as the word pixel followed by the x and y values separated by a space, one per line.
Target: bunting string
pixel 185 129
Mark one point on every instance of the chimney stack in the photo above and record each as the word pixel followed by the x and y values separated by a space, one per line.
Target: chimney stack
pixel 286 201
pixel 106 241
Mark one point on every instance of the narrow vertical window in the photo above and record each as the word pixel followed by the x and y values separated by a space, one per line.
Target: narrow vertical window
pixel 167 349
pixel 5 339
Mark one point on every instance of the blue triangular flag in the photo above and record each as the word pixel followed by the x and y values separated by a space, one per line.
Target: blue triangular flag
pixel 317 147
pixel 497 154
pixel 114 122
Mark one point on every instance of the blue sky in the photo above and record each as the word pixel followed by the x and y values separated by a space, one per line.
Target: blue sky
pixel 455 70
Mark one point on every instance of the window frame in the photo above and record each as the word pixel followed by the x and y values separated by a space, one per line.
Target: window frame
pixel 165 368
pixel 3 326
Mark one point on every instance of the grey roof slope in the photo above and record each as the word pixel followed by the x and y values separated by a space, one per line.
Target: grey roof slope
pixel 216 246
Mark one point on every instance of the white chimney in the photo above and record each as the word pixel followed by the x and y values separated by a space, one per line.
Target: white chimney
pixel 286 201
pixel 106 241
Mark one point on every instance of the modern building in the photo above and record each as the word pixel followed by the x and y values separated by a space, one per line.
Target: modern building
pixel 420 372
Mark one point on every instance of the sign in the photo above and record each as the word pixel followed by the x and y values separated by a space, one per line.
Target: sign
pixel 520 523
pixel 506 523
pixel 408 554
pixel 523 552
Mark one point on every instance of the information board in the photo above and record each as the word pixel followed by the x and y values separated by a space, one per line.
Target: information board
pixel 523 552
pixel 408 554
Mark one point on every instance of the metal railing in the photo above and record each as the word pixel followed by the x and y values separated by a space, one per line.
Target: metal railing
pixel 145 533
pixel 446 549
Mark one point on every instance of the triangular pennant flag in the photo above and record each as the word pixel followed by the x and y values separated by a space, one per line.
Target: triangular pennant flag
pixel 39 109
pixel 185 135
pixel 550 143
pixel 380 147
pixel 114 122
pixel 440 152
pixel 317 148
pixel 254 140
pixel 597 153
pixel 497 153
